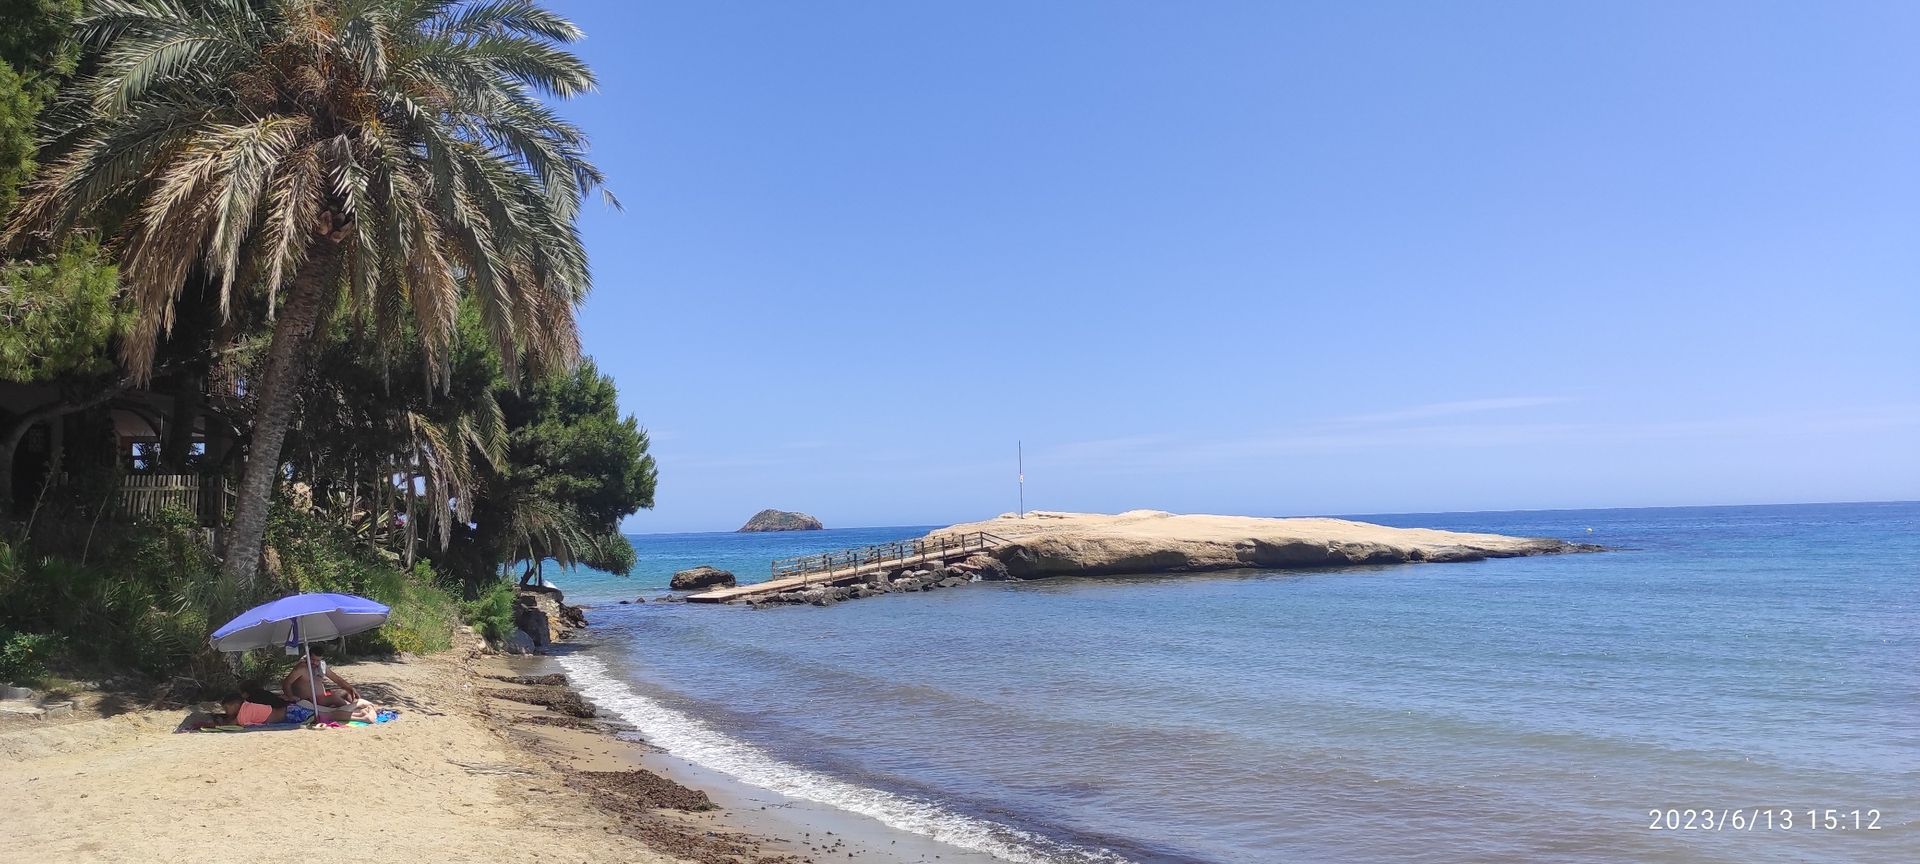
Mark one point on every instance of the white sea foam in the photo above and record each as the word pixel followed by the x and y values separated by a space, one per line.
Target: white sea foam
pixel 692 739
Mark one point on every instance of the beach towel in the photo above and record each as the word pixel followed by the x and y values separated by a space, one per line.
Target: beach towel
pixel 384 715
pixel 264 727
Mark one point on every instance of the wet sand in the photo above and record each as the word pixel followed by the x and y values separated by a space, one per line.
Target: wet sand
pixel 782 825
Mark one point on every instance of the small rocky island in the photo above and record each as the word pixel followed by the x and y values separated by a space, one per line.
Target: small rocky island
pixel 781 520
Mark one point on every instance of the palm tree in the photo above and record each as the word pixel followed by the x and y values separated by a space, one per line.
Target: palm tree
pixel 374 158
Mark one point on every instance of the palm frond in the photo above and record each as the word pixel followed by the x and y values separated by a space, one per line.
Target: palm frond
pixel 405 144
pixel 159 43
pixel 507 16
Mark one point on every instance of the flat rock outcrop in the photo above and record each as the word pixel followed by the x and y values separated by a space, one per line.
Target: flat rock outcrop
pixel 1151 541
pixel 781 520
pixel 701 577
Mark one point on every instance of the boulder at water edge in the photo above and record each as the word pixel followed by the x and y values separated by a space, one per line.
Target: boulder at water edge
pixel 701 577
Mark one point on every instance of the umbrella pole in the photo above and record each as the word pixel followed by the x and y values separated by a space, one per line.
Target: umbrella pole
pixel 306 650
pixel 313 691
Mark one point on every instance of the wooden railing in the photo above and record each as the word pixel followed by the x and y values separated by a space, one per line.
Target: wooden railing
pixel 207 498
pixel 899 551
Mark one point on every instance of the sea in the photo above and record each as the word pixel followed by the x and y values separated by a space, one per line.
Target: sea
pixel 1725 684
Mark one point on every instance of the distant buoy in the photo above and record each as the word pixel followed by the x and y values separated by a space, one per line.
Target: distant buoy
pixel 1589 530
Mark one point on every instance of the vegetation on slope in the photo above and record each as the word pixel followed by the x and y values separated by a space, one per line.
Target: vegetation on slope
pixel 329 249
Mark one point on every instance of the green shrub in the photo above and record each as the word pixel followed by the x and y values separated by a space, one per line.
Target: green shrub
pixel 424 612
pixel 492 613
pixel 146 602
pixel 152 593
pixel 320 554
pixel 11 570
pixel 23 657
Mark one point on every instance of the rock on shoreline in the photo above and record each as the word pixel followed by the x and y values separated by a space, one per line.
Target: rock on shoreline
pixel 541 617
pixel 703 576
pixel 781 520
pixel 977 568
pixel 1151 541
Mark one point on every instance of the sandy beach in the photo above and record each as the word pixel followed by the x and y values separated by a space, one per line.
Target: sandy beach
pixel 461 776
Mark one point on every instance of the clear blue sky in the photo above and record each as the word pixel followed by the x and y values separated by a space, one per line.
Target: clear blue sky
pixel 1259 257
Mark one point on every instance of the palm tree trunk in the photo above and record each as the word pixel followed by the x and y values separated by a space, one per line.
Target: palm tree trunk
pixel 279 383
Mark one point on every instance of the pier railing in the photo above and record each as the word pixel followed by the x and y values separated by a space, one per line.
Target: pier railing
pixel 899 552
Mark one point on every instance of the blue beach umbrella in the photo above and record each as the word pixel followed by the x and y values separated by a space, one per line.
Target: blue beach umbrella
pixel 299 620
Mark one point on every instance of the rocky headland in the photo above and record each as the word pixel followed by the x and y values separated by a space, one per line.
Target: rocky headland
pixel 1151 541
pixel 781 520
pixel 1046 544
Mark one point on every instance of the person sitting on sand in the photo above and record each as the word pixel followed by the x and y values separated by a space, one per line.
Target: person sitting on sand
pixel 300 689
pixel 240 712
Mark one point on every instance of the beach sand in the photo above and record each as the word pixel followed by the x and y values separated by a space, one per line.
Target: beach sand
pixel 437 784
pixel 459 777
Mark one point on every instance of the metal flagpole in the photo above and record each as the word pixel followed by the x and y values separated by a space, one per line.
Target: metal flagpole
pixel 1020 457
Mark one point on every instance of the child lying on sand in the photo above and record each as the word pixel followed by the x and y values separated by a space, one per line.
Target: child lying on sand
pixel 243 713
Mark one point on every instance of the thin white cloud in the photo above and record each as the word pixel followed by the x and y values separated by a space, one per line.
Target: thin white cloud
pixel 1104 448
pixel 1357 431
pixel 1452 409
pixel 1154 453
pixel 731 463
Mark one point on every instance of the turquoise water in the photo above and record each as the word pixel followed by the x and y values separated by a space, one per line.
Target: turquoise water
pixel 1531 709
pixel 746 555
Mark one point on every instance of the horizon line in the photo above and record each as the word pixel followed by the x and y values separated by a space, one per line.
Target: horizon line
pixel 625 533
